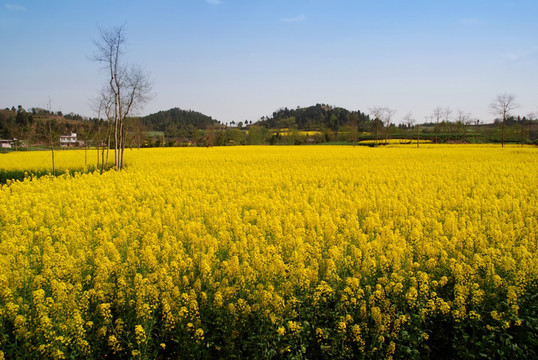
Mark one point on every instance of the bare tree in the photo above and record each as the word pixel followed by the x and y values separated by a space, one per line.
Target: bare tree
pixel 446 119
pixel 436 116
pixel 128 88
pixel 446 114
pixel 409 121
pixel 386 122
pixel 103 104
pixel 383 115
pixel 464 120
pixel 378 113
pixel 52 137
pixel 503 106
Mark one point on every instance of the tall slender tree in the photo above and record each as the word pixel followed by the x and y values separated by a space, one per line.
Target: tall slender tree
pixel 103 105
pixel 503 106
pixel 378 114
pixel 383 115
pixel 436 116
pixel 409 121
pixel 388 113
pixel 128 87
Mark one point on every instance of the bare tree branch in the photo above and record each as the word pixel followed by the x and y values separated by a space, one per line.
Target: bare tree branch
pixel 127 89
pixel 503 106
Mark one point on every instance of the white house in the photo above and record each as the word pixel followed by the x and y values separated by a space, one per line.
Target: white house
pixel 68 140
pixel 7 144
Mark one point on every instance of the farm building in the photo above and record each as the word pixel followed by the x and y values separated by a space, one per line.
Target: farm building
pixel 7 144
pixel 68 140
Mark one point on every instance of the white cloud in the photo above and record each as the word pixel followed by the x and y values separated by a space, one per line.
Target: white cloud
pixel 13 7
pixel 294 19
pixel 214 2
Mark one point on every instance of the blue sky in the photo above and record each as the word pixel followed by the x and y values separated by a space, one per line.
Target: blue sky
pixel 238 60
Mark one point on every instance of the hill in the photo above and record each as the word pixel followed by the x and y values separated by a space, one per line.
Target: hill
pixel 315 117
pixel 176 119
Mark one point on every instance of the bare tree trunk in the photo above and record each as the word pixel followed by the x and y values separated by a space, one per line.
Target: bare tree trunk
pixel 52 153
pixel 120 117
pixel 503 105
pixel 122 144
pixel 107 150
pixel 502 132
pixel 116 139
pixel 108 136
pixel 103 159
pixel 51 138
pixel 53 166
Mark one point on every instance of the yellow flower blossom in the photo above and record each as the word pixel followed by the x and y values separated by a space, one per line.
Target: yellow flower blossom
pixel 294 326
pixel 199 334
pixel 140 334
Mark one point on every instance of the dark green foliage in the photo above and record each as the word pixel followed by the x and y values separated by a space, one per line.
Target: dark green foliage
pixel 187 128
pixel 7 176
pixel 315 117
pixel 176 122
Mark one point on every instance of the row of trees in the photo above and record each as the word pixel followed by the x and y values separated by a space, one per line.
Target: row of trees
pixel 442 125
pixel 441 119
pixel 177 127
pixel 40 112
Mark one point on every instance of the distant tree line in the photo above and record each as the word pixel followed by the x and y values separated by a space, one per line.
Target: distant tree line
pixel 311 125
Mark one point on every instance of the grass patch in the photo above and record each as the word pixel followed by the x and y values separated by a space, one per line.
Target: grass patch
pixel 8 176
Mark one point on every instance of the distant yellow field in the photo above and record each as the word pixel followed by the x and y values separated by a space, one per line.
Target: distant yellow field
pixel 33 160
pixel 313 251
pixel 287 132
pixel 395 141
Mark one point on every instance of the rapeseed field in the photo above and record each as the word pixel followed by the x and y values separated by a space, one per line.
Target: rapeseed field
pixel 19 165
pixel 275 252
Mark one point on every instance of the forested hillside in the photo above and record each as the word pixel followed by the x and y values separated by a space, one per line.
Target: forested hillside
pixel 315 117
pixel 177 119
